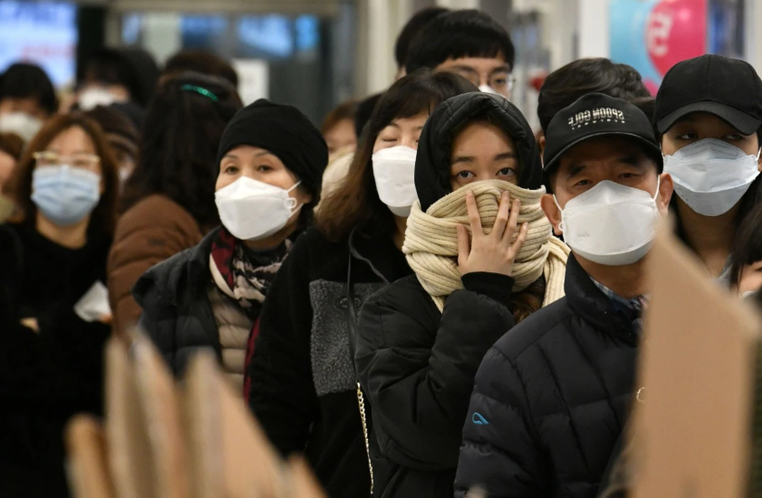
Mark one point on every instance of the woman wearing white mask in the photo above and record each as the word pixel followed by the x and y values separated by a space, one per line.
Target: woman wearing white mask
pixel 271 160
pixel 303 382
pixel 27 99
pixel 65 188
pixel 709 113
pixel 484 259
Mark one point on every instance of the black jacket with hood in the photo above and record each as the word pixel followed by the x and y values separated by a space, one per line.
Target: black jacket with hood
pixel 417 365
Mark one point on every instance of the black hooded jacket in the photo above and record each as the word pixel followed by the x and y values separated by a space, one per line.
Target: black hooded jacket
pixel 417 365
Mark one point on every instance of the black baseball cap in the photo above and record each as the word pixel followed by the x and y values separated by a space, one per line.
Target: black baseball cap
pixel 595 115
pixel 728 88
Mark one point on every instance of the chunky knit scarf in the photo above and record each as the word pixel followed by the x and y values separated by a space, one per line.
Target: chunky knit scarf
pixel 243 274
pixel 431 241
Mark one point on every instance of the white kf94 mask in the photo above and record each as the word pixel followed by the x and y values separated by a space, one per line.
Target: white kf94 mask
pixel 711 176
pixel 610 224
pixel 254 210
pixel 394 172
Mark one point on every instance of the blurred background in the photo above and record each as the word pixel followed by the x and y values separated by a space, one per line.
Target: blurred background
pixel 317 53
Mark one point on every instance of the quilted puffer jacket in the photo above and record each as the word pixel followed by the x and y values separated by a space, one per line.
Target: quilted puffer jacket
pixel 551 399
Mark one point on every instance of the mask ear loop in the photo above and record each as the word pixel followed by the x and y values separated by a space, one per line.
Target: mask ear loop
pixel 292 202
pixel 561 225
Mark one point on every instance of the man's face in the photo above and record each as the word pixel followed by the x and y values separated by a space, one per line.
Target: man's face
pixel 616 159
pixel 493 72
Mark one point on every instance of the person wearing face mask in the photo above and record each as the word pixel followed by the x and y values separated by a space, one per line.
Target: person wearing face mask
pixel 270 160
pixel 709 115
pixel 168 200
pixel 303 382
pixel 483 259
pixel 27 99
pixel 552 396
pixel 54 310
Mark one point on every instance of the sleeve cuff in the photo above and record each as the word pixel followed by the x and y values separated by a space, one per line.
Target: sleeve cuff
pixel 494 285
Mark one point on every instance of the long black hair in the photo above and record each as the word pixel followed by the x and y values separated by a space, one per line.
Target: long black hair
pixel 356 202
pixel 178 149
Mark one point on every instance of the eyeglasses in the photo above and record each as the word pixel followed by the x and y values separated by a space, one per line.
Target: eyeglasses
pixel 82 161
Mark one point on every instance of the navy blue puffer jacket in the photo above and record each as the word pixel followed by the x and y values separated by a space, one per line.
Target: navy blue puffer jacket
pixel 551 399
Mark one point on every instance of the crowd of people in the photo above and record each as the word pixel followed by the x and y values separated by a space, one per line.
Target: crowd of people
pixel 424 295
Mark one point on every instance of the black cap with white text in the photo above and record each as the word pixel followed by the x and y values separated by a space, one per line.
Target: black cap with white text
pixel 596 115
pixel 728 88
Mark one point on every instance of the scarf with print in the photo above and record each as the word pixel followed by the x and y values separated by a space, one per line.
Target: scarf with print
pixel 244 274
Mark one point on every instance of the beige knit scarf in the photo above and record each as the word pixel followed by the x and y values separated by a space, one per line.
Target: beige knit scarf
pixel 431 241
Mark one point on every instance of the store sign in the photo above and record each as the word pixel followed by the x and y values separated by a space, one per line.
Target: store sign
pixel 654 35
pixel 44 33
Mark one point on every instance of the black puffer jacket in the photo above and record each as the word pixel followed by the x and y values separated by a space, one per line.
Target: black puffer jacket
pixel 551 399
pixel 417 365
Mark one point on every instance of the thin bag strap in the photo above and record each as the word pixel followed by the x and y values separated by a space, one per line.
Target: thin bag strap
pixel 352 328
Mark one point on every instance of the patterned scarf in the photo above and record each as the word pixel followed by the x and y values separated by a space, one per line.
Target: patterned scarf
pixel 243 274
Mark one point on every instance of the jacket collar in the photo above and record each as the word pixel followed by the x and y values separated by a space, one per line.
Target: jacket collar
pixel 374 249
pixel 588 301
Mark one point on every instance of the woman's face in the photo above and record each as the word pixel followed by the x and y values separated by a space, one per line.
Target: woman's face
pixel 750 279
pixel 261 165
pixel 401 131
pixel 482 151
pixel 75 148
pixel 699 125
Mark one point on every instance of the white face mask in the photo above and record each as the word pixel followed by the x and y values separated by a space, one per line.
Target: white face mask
pixel 94 96
pixel 394 171
pixel 711 176
pixel 253 210
pixel 487 89
pixel 610 224
pixel 22 124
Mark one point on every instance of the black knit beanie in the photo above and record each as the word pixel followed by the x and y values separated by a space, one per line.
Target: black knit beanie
pixel 284 131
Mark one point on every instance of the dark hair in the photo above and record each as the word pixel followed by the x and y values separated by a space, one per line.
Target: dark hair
pixel 364 111
pixel 103 217
pixel 200 61
pixel 178 151
pixel 564 86
pixel 11 144
pixel 131 67
pixel 747 245
pixel 355 203
pixel 24 80
pixel 120 132
pixel 458 34
pixel 419 20
pixel 345 110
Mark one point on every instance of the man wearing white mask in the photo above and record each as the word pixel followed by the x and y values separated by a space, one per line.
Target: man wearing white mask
pixel 552 396
pixel 709 112
pixel 27 100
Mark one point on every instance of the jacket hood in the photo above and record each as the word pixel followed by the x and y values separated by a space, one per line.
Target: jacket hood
pixel 432 165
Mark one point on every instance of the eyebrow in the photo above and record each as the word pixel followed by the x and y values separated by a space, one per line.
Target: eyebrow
pixel 505 68
pixel 499 157
pixel 574 170
pixel 467 69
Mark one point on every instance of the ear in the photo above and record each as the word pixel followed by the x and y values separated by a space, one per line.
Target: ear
pixel 759 162
pixel 302 195
pixel 666 189
pixel 549 207
pixel 541 143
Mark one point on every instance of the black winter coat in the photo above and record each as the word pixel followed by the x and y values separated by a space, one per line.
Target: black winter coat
pixel 177 314
pixel 47 376
pixel 551 399
pixel 417 368
pixel 303 381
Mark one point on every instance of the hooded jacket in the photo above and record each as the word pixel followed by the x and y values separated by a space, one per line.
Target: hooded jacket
pixel 417 365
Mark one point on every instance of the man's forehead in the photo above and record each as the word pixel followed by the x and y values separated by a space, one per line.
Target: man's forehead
pixel 599 148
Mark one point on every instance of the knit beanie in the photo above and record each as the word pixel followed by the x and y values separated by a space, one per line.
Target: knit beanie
pixel 285 132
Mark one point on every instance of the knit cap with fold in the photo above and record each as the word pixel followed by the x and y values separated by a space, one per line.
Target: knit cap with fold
pixel 285 132
pixel 431 240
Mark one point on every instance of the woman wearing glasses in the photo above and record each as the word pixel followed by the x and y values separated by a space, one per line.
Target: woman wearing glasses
pixel 53 317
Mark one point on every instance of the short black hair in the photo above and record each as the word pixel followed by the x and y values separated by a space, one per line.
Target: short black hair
pixel 413 26
pixel 458 34
pixel 23 80
pixel 747 245
pixel 564 86
pixel 201 61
